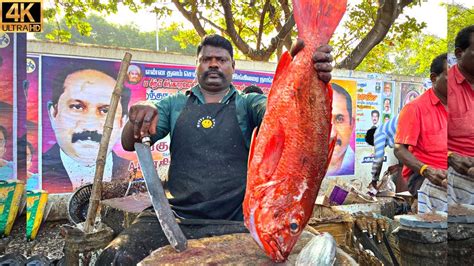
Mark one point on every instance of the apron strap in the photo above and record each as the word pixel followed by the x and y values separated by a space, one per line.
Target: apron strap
pixel 192 97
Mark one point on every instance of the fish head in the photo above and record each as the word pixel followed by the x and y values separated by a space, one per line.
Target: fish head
pixel 276 225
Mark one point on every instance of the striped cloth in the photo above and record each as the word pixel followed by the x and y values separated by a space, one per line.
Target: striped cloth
pixel 383 136
pixel 460 188
pixel 432 198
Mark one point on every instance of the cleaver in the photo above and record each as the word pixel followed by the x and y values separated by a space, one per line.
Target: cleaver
pixel 161 205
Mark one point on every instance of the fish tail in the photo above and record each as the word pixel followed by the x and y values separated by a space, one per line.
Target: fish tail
pixel 318 18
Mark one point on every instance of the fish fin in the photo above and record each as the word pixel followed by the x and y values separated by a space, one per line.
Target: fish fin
pixel 332 144
pixel 280 72
pixel 253 140
pixel 318 18
pixel 273 151
pixel 330 92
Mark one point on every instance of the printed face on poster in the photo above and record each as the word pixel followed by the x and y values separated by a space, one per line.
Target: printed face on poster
pixel 343 120
pixel 75 101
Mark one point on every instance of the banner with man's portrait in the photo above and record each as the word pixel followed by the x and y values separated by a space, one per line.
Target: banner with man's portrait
pixel 409 92
pixel 374 106
pixel 343 127
pixel 12 105
pixel 7 137
pixel 75 100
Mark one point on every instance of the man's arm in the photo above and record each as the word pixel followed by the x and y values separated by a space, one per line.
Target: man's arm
pixel 376 169
pixel 379 146
pixel 435 176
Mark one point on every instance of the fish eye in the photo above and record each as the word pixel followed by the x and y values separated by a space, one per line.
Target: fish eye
pixel 294 227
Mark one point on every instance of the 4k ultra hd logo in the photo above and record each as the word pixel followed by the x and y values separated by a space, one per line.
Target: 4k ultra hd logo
pixel 21 16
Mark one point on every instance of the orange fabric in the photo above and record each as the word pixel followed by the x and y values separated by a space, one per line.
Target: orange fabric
pixel 423 126
pixel 461 113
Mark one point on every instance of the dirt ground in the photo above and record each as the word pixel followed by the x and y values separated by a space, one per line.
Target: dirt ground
pixel 48 242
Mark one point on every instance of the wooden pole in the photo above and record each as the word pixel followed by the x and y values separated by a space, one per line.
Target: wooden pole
pixel 104 144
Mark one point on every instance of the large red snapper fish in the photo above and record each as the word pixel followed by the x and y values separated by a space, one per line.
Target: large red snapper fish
pixel 290 154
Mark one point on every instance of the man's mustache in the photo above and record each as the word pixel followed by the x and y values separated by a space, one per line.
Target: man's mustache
pixel 209 72
pixel 87 135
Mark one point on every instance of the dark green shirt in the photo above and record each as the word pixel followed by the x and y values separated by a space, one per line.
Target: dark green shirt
pixel 250 109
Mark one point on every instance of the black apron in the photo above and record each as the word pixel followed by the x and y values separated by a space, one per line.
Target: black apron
pixel 207 175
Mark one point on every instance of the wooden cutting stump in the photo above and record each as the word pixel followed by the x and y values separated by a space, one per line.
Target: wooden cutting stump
pixel 234 249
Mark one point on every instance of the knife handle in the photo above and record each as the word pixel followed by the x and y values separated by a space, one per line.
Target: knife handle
pixel 146 140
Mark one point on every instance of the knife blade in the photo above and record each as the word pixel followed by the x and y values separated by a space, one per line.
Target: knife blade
pixel 160 203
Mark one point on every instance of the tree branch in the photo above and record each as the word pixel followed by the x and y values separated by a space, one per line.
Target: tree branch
pixel 191 17
pixel 212 24
pixel 286 8
pixel 386 16
pixel 287 40
pixel 262 21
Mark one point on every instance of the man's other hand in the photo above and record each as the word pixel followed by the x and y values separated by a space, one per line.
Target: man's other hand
pixel 322 59
pixel 436 176
pixel 460 163
pixel 144 118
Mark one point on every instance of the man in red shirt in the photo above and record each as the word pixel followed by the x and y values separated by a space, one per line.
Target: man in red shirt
pixel 420 141
pixel 461 120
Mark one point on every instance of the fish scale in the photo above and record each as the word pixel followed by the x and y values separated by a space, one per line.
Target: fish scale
pixel 290 154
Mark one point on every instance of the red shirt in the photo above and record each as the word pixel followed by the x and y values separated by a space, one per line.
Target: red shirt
pixel 423 126
pixel 461 113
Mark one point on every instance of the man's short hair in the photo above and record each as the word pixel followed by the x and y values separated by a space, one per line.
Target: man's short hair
pixel 375 112
pixel 390 101
pixel 369 136
pixel 252 88
pixel 4 131
pixel 463 38
pixel 58 81
pixel 216 40
pixel 437 65
pixel 348 97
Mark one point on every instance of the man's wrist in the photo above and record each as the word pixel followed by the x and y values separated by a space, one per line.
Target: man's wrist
pixel 423 169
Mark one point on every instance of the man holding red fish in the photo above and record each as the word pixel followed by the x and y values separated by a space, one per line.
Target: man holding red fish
pixel 210 127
